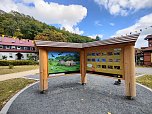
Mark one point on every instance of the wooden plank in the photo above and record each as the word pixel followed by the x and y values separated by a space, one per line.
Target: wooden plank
pixel 43 63
pixel 63 49
pixel 117 40
pixel 83 66
pixel 129 67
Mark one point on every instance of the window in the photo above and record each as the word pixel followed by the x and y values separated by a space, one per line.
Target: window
pixel 93 54
pixel 103 60
pixel 103 53
pixel 98 66
pixel 25 48
pixel 18 47
pixel 93 60
pixel 10 55
pixel 13 41
pixel 116 60
pixel 89 59
pixel 7 47
pixel 110 67
pixel 33 48
pixel 1 46
pixel 116 67
pixel 141 58
pixel 117 51
pixel 110 53
pixel 110 60
pixel 98 54
pixel 104 66
pixel 97 60
pixel 13 47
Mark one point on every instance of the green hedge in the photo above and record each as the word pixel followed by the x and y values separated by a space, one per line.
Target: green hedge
pixel 17 62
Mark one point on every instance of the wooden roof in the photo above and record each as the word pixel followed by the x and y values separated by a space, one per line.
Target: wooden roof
pixel 115 40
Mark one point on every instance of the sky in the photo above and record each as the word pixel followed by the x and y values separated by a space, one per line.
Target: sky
pixel 57 54
pixel 105 18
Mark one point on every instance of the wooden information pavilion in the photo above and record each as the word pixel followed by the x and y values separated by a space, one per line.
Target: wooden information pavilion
pixel 113 57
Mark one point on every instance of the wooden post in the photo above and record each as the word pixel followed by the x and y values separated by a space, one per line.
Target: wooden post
pixel 83 67
pixel 129 67
pixel 43 69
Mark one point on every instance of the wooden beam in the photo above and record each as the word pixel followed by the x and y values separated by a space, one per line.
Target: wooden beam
pixel 83 66
pixel 43 63
pixel 129 67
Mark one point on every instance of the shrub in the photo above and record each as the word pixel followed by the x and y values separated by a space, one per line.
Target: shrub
pixel 10 66
pixel 17 62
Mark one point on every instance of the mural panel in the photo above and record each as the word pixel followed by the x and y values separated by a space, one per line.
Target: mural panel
pixel 63 62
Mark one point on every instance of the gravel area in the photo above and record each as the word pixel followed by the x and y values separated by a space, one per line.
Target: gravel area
pixel 67 96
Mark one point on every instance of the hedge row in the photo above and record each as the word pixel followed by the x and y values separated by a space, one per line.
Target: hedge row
pixel 17 62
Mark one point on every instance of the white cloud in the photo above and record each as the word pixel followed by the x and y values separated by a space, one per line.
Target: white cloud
pixel 142 23
pixel 123 7
pixel 73 29
pixel 112 24
pixel 49 12
pixel 94 36
pixel 97 22
pixel 8 5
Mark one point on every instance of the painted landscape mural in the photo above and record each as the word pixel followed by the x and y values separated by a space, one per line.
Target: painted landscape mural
pixel 63 62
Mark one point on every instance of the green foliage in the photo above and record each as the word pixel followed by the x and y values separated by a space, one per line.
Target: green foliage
pixel 97 38
pixel 68 57
pixel 11 66
pixel 8 88
pixel 145 80
pixel 24 26
pixel 17 62
pixel 20 25
pixel 4 57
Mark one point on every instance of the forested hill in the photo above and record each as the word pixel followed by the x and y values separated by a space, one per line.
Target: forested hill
pixel 23 26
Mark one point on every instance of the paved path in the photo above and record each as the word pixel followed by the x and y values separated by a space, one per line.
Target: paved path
pixel 144 70
pixel 31 73
pixel 18 75
pixel 67 96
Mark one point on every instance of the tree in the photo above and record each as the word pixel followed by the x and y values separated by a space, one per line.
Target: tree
pixel 97 38
pixel 24 26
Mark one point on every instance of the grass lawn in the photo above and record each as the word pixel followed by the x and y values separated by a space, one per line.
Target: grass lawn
pixel 6 70
pixel 10 87
pixel 55 68
pixel 145 80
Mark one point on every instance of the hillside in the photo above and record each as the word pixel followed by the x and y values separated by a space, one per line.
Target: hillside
pixel 24 26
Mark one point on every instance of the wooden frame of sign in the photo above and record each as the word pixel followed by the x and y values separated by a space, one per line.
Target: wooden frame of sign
pixel 112 56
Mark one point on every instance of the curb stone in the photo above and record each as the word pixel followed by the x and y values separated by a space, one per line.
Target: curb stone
pixel 9 103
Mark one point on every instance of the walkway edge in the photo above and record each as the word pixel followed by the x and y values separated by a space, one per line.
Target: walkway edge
pixel 144 86
pixel 9 103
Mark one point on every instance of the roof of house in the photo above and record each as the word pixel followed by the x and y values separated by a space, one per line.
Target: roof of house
pixel 147 49
pixel 16 42
pixel 115 40
pixel 148 37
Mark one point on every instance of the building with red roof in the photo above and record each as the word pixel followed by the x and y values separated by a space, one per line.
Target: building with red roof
pixel 16 49
pixel 147 51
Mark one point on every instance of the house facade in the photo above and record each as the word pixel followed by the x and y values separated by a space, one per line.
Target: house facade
pixel 17 49
pixel 139 57
pixel 148 51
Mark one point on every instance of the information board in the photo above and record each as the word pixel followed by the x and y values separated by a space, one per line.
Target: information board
pixel 63 62
pixel 108 61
